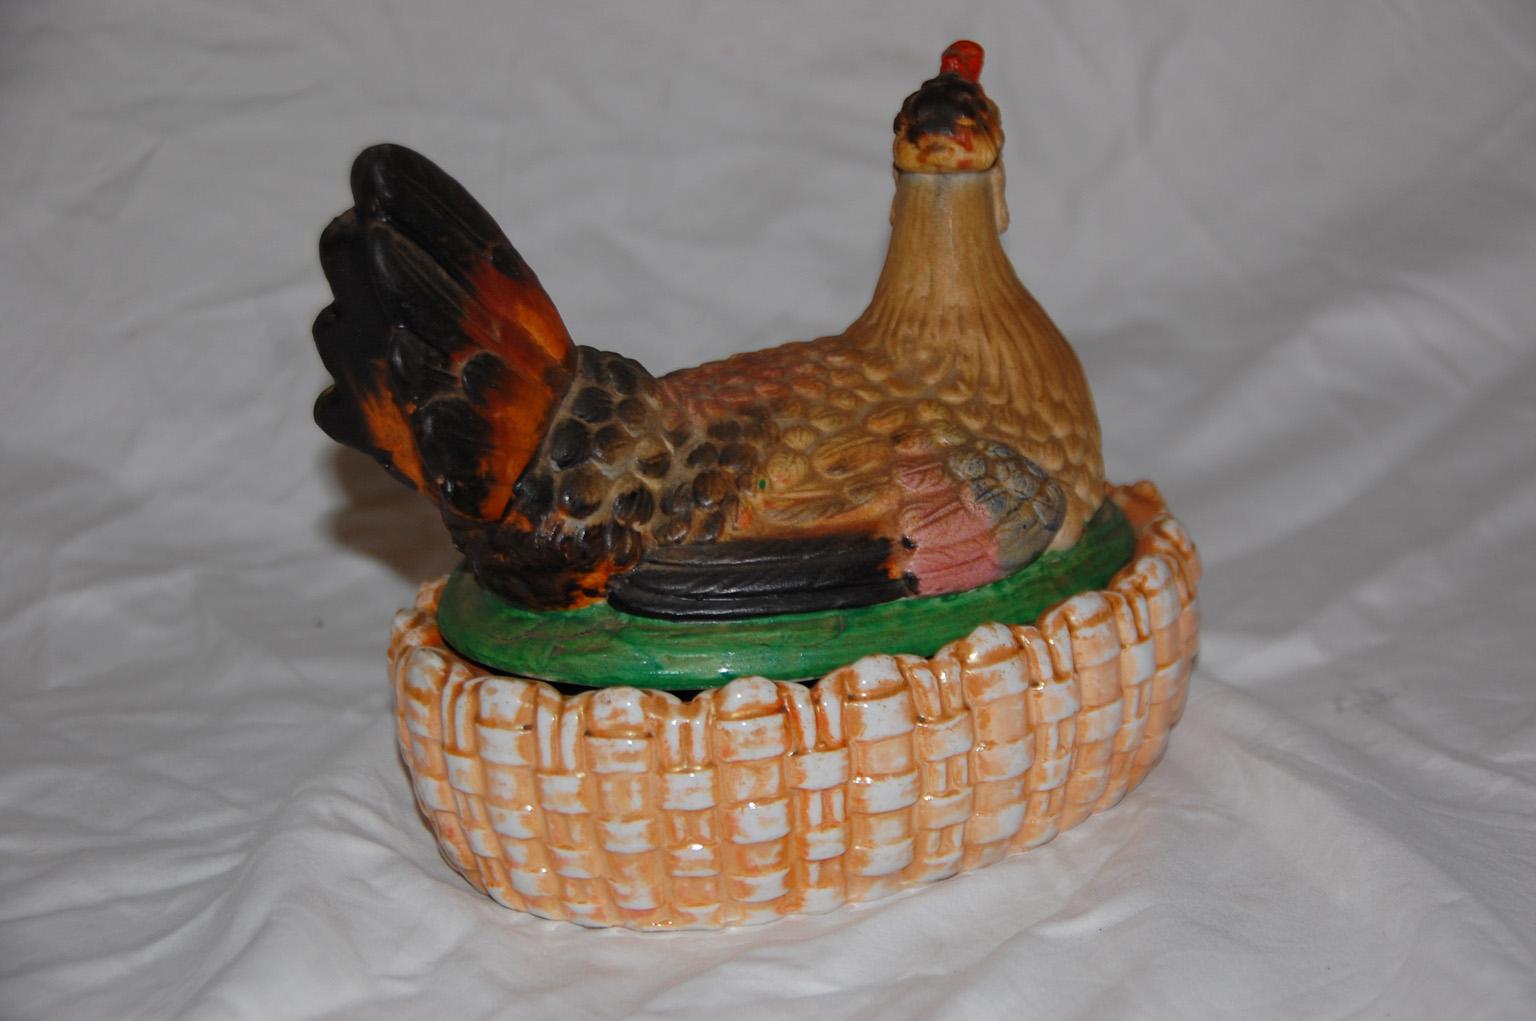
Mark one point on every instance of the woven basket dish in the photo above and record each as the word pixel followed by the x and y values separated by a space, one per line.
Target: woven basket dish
pixel 760 799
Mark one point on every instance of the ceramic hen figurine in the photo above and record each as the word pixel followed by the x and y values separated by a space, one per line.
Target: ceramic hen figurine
pixel 944 440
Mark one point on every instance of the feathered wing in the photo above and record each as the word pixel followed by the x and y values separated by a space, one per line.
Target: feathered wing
pixel 871 519
pixel 447 354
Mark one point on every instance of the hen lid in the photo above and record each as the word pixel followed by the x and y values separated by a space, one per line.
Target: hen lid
pixel 949 125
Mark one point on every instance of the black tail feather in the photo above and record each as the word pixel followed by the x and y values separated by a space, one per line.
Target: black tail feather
pixel 398 186
pixel 447 355
pixel 351 336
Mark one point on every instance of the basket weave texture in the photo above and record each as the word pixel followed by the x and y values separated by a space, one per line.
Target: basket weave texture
pixel 759 799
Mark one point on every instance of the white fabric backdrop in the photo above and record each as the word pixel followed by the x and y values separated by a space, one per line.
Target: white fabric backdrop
pixel 1295 245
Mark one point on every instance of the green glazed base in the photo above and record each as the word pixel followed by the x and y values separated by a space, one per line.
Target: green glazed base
pixel 597 646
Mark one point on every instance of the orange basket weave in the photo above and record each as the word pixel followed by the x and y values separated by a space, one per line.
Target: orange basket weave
pixel 760 799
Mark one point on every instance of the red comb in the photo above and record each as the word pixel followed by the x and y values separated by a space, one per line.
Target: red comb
pixel 964 59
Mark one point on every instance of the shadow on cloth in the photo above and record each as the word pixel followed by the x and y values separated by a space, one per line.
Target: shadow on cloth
pixel 385 520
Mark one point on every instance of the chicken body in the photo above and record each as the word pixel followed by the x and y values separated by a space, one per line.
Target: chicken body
pixel 945 439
